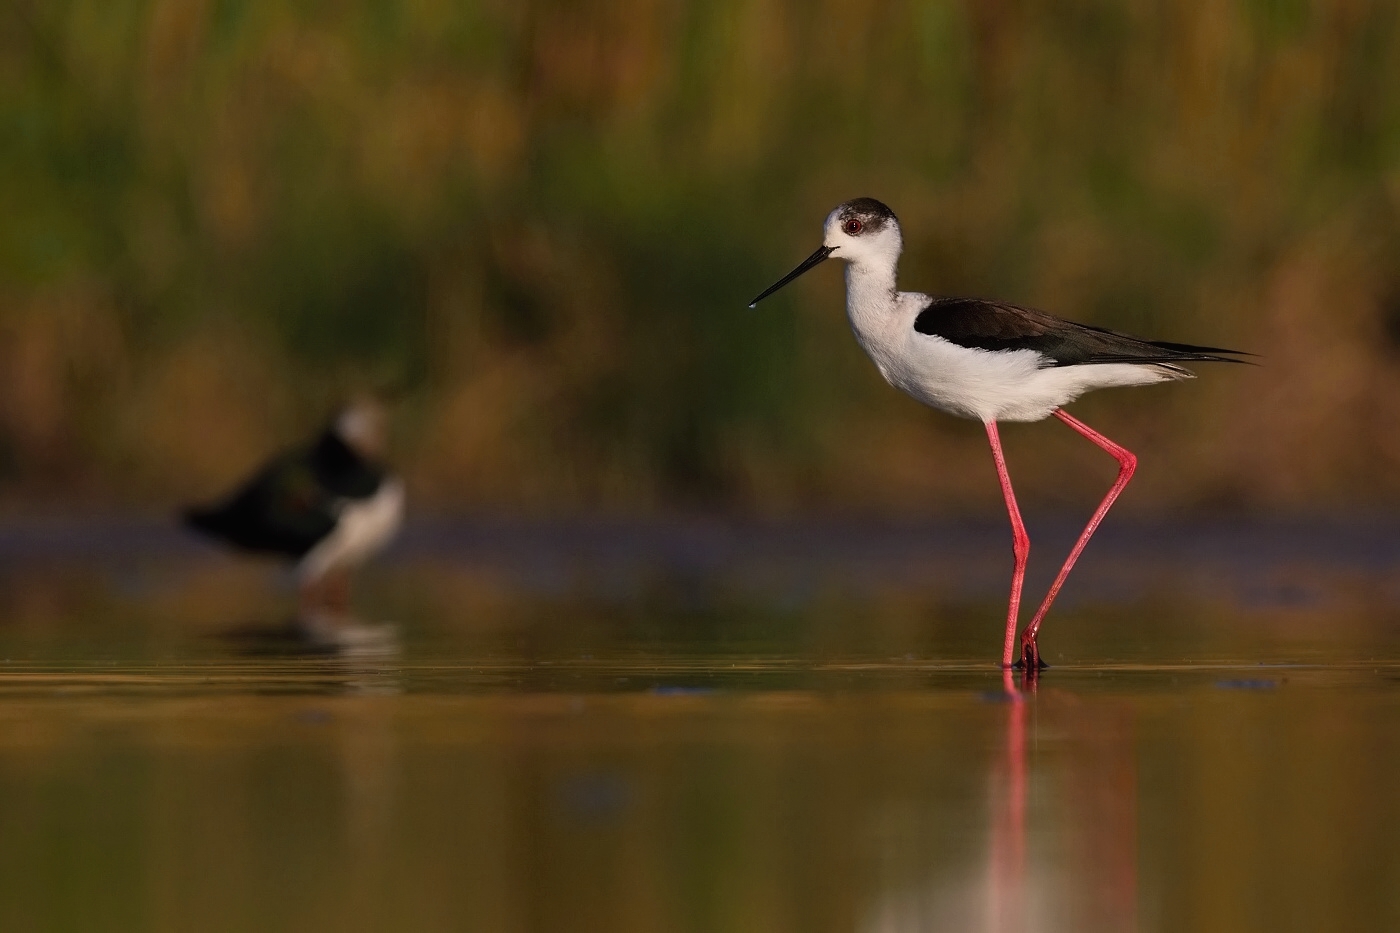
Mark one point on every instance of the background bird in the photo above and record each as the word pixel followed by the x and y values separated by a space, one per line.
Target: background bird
pixel 990 361
pixel 329 506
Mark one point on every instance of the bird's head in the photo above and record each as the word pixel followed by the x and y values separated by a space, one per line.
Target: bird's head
pixel 362 424
pixel 863 232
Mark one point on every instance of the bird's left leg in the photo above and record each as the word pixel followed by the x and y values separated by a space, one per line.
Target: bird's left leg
pixel 1127 463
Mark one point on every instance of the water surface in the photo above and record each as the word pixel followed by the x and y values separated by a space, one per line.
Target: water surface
pixel 703 729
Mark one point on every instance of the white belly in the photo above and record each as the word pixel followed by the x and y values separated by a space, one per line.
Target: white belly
pixel 365 526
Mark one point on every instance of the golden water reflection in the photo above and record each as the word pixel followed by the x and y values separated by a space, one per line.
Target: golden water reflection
pixel 626 795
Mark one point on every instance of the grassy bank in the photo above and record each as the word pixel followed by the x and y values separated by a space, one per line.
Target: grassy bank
pixel 537 224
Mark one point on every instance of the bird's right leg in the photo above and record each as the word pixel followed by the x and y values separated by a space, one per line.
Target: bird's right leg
pixel 1127 464
pixel 338 589
pixel 311 595
pixel 1020 544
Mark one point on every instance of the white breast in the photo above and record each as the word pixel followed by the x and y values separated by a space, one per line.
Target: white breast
pixel 364 527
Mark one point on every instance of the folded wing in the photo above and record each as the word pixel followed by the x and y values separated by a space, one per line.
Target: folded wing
pixel 979 324
pixel 281 510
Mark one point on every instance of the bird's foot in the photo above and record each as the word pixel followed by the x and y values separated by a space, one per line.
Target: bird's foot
pixel 1031 662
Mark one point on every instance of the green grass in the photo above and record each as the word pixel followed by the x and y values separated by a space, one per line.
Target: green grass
pixel 538 225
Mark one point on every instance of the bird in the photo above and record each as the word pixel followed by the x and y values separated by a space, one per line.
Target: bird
pixel 328 505
pixel 993 362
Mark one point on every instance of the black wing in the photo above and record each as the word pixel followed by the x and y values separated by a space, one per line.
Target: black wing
pixel 294 501
pixel 990 325
pixel 281 510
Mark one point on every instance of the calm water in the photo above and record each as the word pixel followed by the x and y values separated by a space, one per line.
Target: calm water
pixel 702 727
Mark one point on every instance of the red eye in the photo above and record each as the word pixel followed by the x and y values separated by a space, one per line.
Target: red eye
pixel 853 227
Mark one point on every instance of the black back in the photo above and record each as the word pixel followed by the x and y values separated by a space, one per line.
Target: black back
pixel 293 502
pixel 990 325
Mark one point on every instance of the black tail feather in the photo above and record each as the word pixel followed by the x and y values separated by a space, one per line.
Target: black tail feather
pixel 1205 354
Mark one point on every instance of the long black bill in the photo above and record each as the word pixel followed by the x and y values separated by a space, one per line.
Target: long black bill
pixel 815 259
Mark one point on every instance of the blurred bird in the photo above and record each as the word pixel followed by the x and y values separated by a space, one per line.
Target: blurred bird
pixel 990 361
pixel 329 506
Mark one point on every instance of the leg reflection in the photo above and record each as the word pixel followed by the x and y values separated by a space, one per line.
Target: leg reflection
pixel 1081 870
pixel 1006 875
pixel 1044 836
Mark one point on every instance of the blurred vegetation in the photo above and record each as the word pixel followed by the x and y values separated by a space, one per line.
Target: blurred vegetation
pixel 538 224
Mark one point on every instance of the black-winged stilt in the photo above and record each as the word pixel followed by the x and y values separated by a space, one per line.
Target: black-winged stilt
pixel 989 361
pixel 329 505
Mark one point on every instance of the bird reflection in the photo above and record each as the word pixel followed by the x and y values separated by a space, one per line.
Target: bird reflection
pixel 1082 874
pixel 1058 841
pixel 324 635
pixel 1006 858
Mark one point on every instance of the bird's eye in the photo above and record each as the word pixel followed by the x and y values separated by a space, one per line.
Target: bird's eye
pixel 853 226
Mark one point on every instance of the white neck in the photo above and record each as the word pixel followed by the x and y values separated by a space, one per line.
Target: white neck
pixel 870 293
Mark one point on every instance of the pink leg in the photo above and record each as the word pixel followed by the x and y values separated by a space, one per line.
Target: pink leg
pixel 310 595
pixel 338 591
pixel 1127 463
pixel 1020 544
